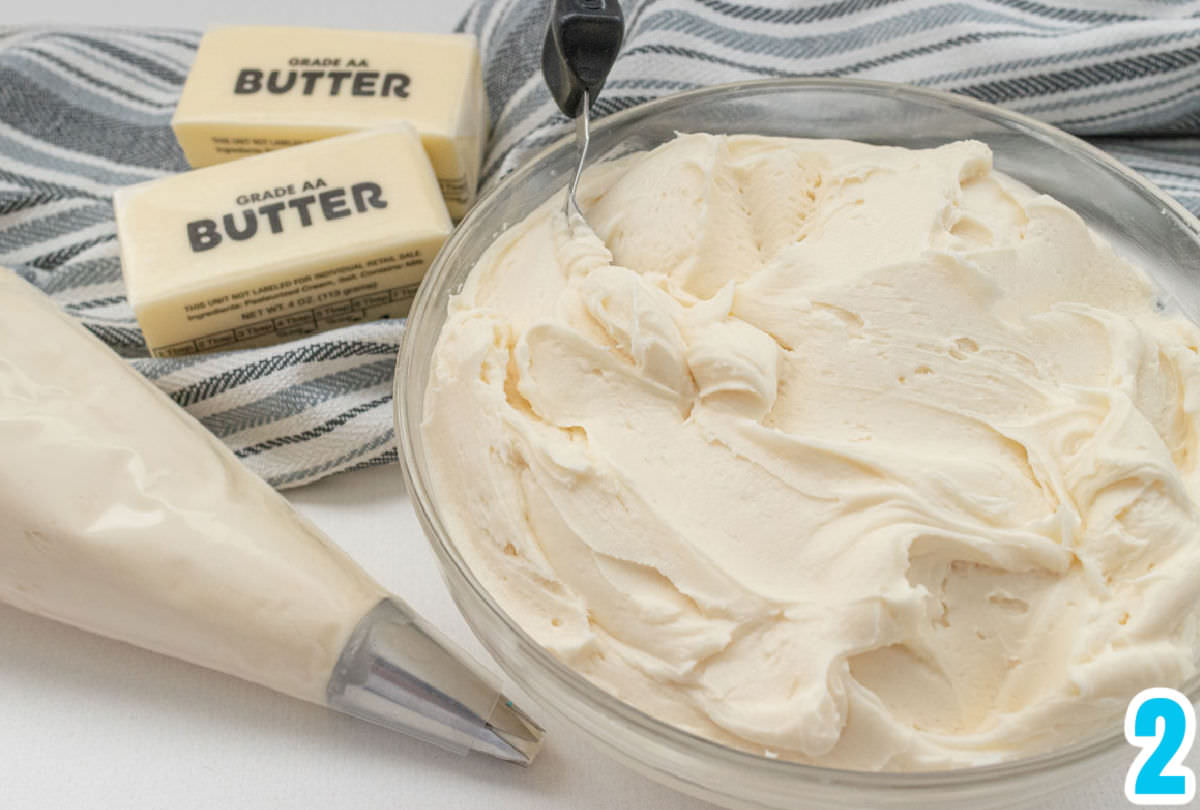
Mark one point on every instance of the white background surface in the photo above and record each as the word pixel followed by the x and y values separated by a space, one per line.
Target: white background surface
pixel 90 723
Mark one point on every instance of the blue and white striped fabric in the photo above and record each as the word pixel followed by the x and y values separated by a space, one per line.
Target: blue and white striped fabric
pixel 1124 73
pixel 83 112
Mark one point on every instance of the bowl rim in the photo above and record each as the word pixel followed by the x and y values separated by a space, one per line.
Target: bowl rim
pixel 595 697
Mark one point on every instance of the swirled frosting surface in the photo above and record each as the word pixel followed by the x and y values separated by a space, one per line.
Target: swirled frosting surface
pixel 855 455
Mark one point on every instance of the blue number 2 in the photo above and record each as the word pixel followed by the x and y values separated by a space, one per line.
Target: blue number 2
pixel 1162 723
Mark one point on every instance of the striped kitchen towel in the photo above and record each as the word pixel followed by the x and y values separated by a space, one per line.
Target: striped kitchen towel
pixel 85 111
pixel 1123 73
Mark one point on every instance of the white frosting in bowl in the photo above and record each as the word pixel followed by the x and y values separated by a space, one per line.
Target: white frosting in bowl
pixel 854 455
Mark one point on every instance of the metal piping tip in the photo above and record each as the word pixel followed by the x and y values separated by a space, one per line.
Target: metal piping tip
pixel 512 735
pixel 399 672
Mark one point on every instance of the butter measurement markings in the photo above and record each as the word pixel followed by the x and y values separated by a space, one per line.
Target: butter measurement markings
pixel 305 322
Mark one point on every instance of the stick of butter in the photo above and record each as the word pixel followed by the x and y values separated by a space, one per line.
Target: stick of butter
pixel 281 245
pixel 253 89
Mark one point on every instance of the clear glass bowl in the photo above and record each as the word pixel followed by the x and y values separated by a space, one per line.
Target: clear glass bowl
pixel 1144 224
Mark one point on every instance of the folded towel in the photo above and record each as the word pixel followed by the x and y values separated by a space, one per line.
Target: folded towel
pixel 85 111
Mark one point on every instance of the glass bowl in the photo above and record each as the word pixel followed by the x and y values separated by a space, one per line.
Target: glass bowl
pixel 1145 225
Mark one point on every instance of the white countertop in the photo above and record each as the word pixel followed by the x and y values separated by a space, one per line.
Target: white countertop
pixel 90 723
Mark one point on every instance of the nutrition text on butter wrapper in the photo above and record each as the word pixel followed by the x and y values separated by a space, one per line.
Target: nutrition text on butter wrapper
pixel 310 303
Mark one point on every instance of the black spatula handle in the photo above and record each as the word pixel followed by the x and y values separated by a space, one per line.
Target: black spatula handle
pixel 582 42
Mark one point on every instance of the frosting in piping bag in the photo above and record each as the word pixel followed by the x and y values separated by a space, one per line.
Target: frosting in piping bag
pixel 122 515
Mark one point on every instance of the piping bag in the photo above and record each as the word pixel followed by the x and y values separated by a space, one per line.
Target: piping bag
pixel 121 515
